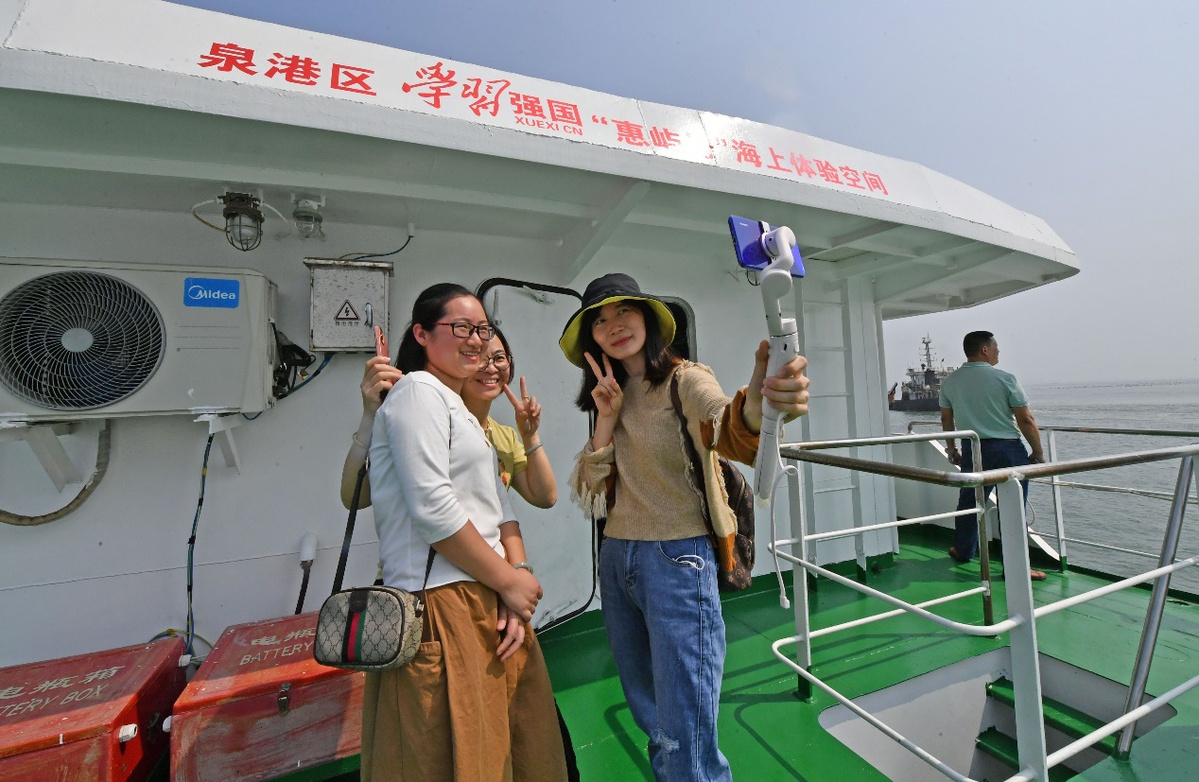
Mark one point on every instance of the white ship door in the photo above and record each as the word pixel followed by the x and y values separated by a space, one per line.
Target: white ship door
pixel 559 541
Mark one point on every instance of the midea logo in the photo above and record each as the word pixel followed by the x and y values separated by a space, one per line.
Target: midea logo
pixel 200 292
pixel 211 292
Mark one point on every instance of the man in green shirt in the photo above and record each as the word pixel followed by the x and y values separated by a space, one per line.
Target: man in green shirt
pixel 989 401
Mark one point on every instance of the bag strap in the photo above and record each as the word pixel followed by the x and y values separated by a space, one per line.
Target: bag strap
pixel 697 466
pixel 345 544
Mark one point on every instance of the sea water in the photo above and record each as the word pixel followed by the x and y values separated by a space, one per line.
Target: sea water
pixel 1135 523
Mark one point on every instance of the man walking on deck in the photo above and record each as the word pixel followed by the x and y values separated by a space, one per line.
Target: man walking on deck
pixel 989 401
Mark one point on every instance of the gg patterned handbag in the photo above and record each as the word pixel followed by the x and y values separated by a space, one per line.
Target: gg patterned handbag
pixel 370 628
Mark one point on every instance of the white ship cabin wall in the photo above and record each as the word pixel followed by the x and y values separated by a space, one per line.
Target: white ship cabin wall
pixel 102 159
pixel 112 572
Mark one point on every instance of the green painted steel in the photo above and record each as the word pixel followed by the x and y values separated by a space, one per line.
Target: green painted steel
pixel 770 734
pixel 1003 748
pixel 1067 719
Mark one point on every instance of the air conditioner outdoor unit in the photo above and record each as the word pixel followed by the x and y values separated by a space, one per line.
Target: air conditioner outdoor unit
pixel 89 339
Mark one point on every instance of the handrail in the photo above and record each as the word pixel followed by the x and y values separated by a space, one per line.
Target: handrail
pixel 1086 429
pixel 1120 430
pixel 798 452
pixel 1034 759
pixel 982 631
pixel 1157 603
pixel 984 554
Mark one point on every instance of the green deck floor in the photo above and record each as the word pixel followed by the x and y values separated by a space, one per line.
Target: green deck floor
pixel 769 734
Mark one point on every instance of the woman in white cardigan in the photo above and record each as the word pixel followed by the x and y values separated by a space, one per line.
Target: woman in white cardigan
pixel 457 710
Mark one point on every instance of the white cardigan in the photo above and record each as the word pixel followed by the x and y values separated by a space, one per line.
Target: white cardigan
pixel 432 470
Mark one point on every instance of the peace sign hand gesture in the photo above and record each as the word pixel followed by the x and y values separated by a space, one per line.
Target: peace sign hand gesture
pixel 528 410
pixel 607 393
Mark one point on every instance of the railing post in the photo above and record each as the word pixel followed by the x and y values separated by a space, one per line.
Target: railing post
pixel 798 530
pixel 984 547
pixel 1058 515
pixel 1157 603
pixel 1026 665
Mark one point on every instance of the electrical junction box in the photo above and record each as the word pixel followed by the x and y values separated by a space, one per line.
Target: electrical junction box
pixel 349 298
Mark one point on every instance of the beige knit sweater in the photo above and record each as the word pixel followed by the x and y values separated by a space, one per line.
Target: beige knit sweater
pixel 656 496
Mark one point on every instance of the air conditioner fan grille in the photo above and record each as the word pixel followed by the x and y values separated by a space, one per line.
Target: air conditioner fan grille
pixel 78 340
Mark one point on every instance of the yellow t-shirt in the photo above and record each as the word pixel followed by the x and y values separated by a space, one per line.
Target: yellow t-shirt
pixel 509 449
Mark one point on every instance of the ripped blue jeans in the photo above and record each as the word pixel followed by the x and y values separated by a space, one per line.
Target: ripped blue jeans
pixel 662 612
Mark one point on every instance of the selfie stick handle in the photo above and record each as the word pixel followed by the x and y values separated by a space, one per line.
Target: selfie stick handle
pixel 775 282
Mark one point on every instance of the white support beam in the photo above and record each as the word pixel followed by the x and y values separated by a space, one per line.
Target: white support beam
pixel 863 264
pixel 895 285
pixel 873 230
pixel 582 245
pixel 43 440
pixel 262 177
pixel 221 428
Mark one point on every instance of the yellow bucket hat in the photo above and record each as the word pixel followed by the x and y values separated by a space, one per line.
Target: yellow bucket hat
pixel 605 290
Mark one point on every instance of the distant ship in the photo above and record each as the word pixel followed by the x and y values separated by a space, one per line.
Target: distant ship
pixel 920 391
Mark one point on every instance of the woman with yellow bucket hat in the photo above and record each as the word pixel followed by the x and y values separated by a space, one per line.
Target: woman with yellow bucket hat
pixel 657 571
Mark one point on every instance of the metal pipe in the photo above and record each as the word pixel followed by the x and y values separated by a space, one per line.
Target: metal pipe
pixel 1085 597
pixel 972 630
pixel 989 477
pixel 1026 665
pixel 886 729
pixel 1058 516
pixel 1147 493
pixel 797 517
pixel 984 542
pixel 1116 430
pixel 844 533
pixel 1157 603
pixel 913 425
pixel 1119 549
pixel 820 445
pixel 888 614
pixel 1070 750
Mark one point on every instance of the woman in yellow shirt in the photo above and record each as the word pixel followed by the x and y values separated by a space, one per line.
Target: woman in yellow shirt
pixel 524 464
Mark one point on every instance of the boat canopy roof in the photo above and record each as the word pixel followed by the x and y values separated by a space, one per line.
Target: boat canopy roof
pixel 147 105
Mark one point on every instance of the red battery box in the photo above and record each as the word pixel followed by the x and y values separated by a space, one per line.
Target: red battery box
pixel 90 718
pixel 260 707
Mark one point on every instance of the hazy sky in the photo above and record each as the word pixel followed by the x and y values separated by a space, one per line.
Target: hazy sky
pixel 1082 112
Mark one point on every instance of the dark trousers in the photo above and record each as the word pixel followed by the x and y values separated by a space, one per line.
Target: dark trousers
pixel 996 454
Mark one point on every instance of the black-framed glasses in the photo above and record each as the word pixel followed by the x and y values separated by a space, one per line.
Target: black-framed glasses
pixel 500 360
pixel 463 330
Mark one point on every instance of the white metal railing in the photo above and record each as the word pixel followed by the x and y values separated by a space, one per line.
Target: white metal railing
pixel 1034 759
pixel 1056 484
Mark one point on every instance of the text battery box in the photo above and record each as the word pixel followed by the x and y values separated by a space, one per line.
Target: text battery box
pixel 349 298
pixel 260 707
pixel 91 718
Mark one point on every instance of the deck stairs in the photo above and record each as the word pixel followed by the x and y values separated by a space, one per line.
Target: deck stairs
pixel 1063 724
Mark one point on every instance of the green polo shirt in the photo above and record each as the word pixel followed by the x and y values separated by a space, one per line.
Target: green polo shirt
pixel 982 398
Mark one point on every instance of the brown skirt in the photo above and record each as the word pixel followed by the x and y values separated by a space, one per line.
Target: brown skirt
pixel 456 713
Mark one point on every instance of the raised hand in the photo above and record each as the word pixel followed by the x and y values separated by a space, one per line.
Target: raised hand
pixel 528 410
pixel 607 393
pixel 785 390
pixel 378 376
